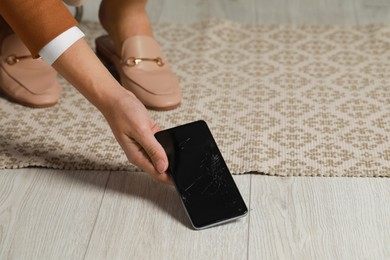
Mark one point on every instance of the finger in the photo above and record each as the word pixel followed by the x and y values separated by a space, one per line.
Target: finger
pixel 155 128
pixel 137 156
pixel 154 150
pixel 142 161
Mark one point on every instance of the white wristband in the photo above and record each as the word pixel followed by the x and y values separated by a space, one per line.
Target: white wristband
pixel 51 51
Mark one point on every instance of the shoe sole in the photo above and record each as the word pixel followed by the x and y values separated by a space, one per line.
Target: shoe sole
pixel 23 103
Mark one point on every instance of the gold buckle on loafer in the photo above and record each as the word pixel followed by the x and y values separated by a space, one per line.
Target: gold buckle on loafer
pixel 13 59
pixel 132 61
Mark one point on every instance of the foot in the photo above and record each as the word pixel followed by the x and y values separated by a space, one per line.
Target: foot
pixel 24 80
pixel 136 55
pixel 123 19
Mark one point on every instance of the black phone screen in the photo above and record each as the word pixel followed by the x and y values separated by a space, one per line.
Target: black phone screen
pixel 201 175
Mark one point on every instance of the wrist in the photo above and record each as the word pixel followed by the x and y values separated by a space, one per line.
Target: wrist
pixel 108 100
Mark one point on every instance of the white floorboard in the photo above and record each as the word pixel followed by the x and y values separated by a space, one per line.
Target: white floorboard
pixel 142 219
pixel 319 218
pixel 48 214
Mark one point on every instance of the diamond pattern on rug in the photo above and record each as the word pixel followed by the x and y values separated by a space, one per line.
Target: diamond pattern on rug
pixel 280 100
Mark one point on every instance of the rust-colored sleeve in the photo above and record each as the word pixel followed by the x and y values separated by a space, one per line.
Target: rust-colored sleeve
pixel 36 22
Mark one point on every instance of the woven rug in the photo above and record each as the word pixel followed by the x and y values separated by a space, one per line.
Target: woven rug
pixel 279 99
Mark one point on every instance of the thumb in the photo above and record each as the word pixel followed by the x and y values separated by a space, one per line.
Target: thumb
pixel 155 152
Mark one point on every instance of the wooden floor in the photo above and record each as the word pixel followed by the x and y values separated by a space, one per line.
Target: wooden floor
pixel 53 214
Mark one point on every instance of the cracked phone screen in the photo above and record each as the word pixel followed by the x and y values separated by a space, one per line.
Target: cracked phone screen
pixel 201 175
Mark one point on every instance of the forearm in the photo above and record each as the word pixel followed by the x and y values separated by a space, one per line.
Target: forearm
pixel 81 68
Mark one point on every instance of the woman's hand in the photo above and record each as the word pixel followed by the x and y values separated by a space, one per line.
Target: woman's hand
pixel 127 116
pixel 134 130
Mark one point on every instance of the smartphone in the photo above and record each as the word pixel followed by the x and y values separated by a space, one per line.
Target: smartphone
pixel 201 176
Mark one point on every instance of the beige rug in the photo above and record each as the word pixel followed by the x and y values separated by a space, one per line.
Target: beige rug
pixel 280 100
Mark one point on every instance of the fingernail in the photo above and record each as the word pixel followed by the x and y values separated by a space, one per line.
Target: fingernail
pixel 160 166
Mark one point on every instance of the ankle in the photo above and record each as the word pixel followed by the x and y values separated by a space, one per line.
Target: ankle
pixel 5 30
pixel 122 20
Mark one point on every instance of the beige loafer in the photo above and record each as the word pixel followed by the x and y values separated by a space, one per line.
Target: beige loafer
pixel 142 70
pixel 24 80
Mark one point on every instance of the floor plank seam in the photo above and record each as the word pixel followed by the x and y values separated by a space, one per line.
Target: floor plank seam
pixel 249 217
pixel 97 215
